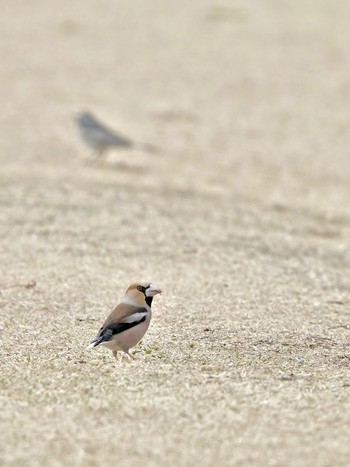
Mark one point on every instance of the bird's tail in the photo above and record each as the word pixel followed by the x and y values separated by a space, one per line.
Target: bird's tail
pixel 92 345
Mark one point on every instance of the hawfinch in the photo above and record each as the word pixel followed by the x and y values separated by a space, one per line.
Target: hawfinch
pixel 129 321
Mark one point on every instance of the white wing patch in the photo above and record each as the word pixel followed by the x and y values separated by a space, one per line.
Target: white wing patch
pixel 135 317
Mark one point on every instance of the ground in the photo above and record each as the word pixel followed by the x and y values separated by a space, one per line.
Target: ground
pixel 241 216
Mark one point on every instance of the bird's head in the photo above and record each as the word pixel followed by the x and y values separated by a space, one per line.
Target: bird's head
pixel 141 292
pixel 86 119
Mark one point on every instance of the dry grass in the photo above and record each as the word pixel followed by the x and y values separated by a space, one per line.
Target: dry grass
pixel 243 219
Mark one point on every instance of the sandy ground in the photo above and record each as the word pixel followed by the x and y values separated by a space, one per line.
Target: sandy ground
pixel 243 219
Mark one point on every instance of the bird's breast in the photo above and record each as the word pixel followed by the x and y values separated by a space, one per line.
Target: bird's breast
pixel 130 337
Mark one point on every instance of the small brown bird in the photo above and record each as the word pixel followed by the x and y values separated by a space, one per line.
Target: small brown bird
pixel 129 321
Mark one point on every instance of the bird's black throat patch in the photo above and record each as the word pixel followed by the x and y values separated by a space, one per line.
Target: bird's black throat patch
pixel 142 289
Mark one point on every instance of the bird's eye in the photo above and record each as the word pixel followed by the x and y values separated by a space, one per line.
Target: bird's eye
pixel 140 288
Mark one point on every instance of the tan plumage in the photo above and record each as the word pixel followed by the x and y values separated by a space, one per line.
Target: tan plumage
pixel 129 321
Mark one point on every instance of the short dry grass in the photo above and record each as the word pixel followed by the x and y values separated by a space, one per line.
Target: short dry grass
pixel 242 218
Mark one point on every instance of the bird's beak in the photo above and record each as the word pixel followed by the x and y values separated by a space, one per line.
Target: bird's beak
pixel 153 290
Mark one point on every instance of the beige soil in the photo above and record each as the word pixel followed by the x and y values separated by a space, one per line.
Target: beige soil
pixel 242 217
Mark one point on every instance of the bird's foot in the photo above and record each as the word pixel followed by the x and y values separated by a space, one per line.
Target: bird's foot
pixel 116 356
pixel 130 355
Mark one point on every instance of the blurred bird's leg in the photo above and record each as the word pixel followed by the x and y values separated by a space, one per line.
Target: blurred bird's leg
pixel 147 147
pixel 100 154
pixel 97 156
pixel 115 355
pixel 93 157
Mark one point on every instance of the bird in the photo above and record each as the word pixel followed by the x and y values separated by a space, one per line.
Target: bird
pixel 128 322
pixel 100 138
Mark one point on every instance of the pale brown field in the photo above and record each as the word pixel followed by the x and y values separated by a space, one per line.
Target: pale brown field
pixel 242 217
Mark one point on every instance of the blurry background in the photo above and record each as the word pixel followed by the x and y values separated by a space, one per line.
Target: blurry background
pixel 242 218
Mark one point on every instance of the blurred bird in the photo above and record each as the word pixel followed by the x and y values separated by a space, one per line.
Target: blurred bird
pixel 129 321
pixel 96 135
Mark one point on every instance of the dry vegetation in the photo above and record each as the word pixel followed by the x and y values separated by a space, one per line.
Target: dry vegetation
pixel 242 218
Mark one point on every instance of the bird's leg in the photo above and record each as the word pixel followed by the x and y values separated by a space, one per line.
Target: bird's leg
pixel 115 355
pixel 101 154
pixel 93 158
pixel 97 156
pixel 126 350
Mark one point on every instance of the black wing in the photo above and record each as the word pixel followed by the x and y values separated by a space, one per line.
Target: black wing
pixel 107 332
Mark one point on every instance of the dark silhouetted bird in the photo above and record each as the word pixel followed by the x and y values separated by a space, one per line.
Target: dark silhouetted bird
pixel 98 137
